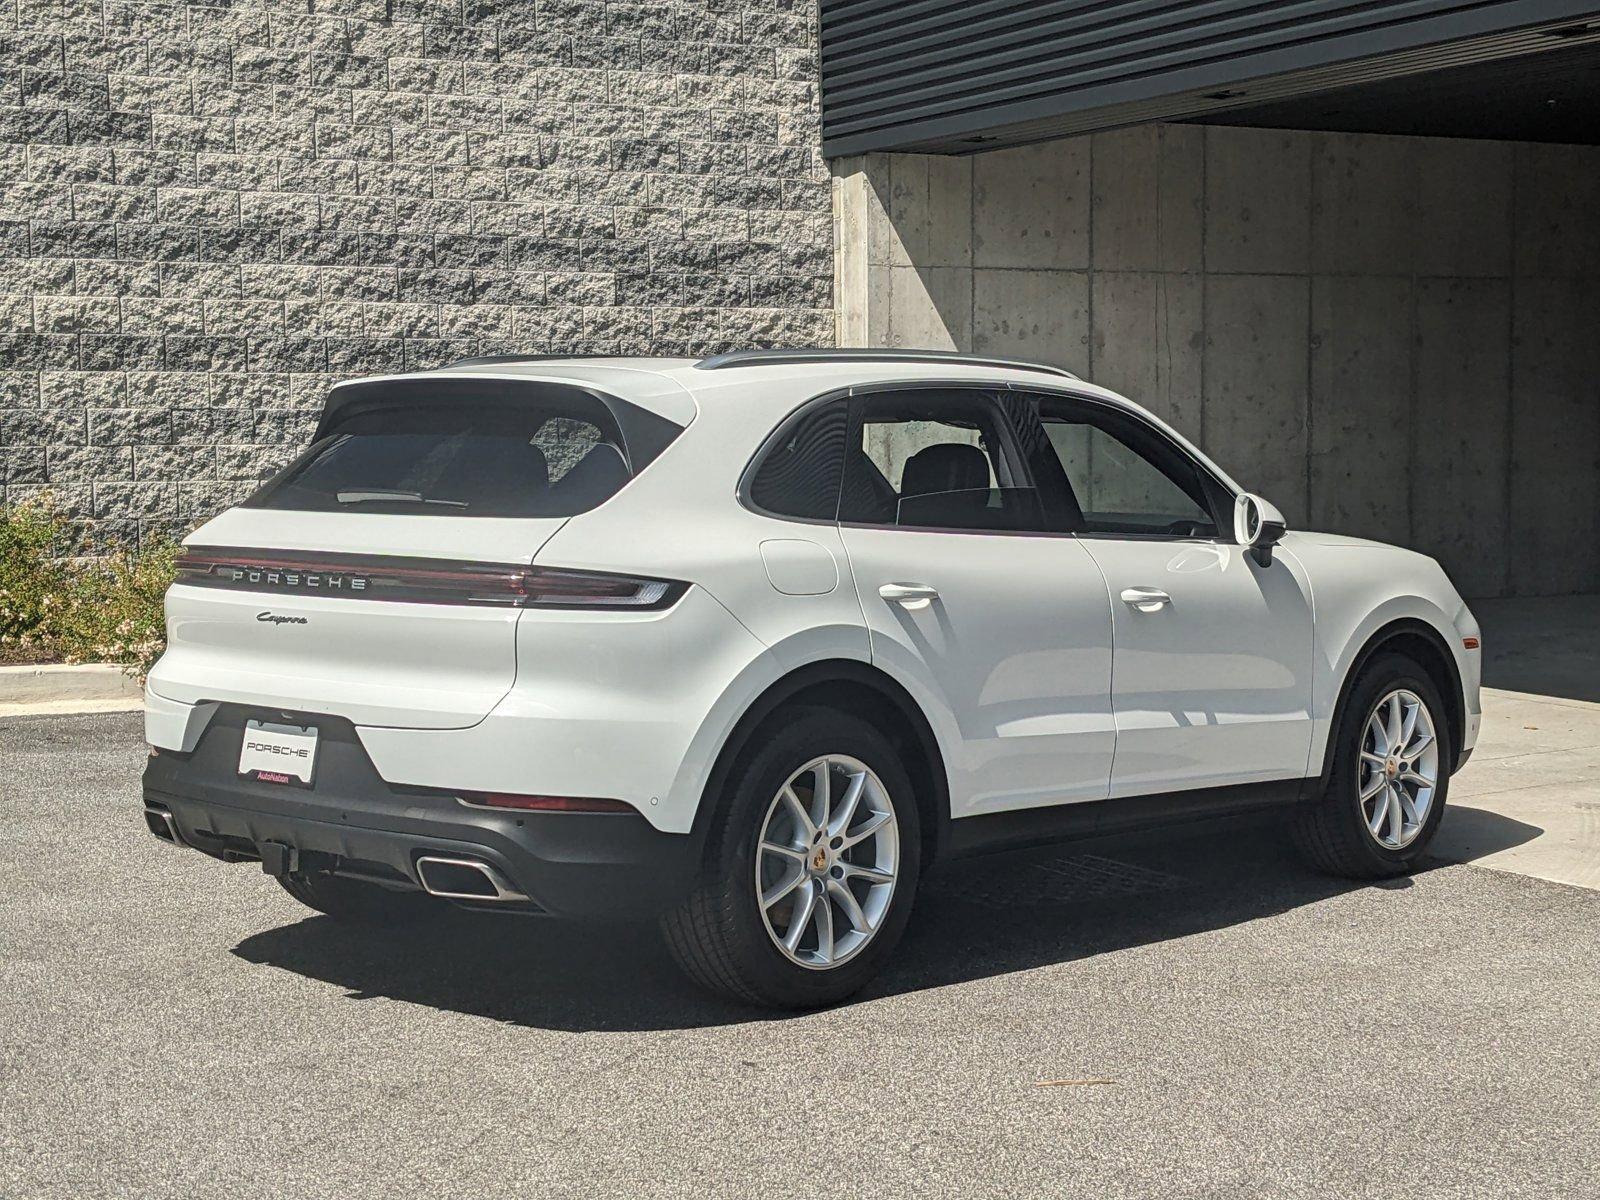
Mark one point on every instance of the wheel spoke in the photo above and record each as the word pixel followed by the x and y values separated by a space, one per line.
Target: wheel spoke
pixel 1391 729
pixel 804 825
pixel 824 928
pixel 821 794
pixel 1396 816
pixel 1380 812
pixel 798 854
pixel 870 874
pixel 846 812
pixel 1414 777
pixel 805 907
pixel 1373 788
pixel 1377 760
pixel 1408 727
pixel 1408 807
pixel 1379 735
pixel 869 827
pixel 782 888
pixel 1415 747
pixel 848 904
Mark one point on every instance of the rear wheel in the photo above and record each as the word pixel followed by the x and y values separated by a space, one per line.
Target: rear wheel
pixel 808 881
pixel 360 903
pixel 1391 772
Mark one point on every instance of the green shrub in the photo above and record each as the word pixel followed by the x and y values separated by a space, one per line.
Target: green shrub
pixel 113 609
pixel 32 579
pixel 106 609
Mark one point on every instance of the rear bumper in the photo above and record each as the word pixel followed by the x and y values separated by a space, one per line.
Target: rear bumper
pixel 580 865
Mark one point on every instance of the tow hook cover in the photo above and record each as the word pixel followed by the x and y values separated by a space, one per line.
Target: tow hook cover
pixel 278 859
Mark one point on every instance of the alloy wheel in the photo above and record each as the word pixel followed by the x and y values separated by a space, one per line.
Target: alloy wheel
pixel 826 861
pixel 1399 769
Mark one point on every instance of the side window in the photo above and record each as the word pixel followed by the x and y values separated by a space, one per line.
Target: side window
pixel 935 459
pixel 1127 477
pixel 799 477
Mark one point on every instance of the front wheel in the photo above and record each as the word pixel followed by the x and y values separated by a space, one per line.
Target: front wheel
pixel 1391 772
pixel 808 880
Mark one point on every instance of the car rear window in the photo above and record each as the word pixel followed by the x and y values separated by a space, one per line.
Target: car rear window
pixel 531 459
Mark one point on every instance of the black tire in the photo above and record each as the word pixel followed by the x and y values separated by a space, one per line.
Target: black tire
pixel 1331 831
pixel 357 902
pixel 718 936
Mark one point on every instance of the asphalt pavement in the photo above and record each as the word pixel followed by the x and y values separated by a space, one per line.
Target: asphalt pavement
pixel 1208 1019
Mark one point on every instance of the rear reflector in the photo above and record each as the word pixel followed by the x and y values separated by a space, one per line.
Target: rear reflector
pixel 421 580
pixel 1470 643
pixel 544 803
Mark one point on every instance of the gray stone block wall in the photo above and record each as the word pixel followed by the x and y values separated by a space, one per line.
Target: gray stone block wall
pixel 208 214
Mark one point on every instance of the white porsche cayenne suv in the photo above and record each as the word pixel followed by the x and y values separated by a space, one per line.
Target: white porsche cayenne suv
pixel 745 644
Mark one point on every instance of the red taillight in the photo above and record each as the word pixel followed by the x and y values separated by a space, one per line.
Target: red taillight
pixel 585 804
pixel 421 581
pixel 550 587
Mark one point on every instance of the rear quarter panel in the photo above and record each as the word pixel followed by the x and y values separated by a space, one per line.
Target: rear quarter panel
pixel 682 519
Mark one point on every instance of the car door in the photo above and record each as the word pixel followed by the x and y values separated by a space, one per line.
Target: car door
pixel 1000 629
pixel 1212 662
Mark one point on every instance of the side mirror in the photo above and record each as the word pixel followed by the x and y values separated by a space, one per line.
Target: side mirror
pixel 1257 525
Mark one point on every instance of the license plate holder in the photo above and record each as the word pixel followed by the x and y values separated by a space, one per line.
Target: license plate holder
pixel 278 753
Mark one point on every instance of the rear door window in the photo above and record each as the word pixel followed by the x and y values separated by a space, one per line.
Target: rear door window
pixel 936 459
pixel 523 460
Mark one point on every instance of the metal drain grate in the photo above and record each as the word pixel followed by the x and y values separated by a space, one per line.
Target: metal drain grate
pixel 1071 879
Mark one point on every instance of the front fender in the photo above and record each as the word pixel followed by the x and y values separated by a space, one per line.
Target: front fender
pixel 1359 590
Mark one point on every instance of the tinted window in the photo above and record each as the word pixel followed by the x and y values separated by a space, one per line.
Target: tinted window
pixel 799 475
pixel 526 460
pixel 935 460
pixel 1127 478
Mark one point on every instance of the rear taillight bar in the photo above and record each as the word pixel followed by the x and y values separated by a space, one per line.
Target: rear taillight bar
pixel 421 581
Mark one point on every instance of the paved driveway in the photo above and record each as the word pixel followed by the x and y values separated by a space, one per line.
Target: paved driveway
pixel 170 1026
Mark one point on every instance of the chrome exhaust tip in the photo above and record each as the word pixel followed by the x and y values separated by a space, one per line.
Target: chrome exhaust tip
pixel 465 879
pixel 159 822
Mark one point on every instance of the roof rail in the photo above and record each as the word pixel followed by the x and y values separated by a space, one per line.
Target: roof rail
pixel 757 358
pixel 489 360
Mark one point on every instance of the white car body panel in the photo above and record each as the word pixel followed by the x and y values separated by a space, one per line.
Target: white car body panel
pixel 603 707
pixel 1013 660
pixel 372 662
pixel 637 706
pixel 1358 588
pixel 423 666
pixel 1215 686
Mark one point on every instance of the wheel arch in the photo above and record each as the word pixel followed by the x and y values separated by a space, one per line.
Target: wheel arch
pixel 1418 640
pixel 861 690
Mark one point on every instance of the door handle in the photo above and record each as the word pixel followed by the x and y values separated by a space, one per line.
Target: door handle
pixel 912 595
pixel 1145 599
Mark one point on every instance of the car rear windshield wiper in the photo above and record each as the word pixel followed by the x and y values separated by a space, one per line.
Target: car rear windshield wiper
pixel 381 496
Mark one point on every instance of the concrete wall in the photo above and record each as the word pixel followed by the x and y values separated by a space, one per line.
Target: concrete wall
pixel 1392 337
pixel 210 210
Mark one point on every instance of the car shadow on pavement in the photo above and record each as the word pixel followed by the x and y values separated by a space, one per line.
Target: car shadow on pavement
pixel 977 919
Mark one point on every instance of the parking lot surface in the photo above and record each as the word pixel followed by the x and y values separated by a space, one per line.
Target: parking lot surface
pixel 1209 1020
